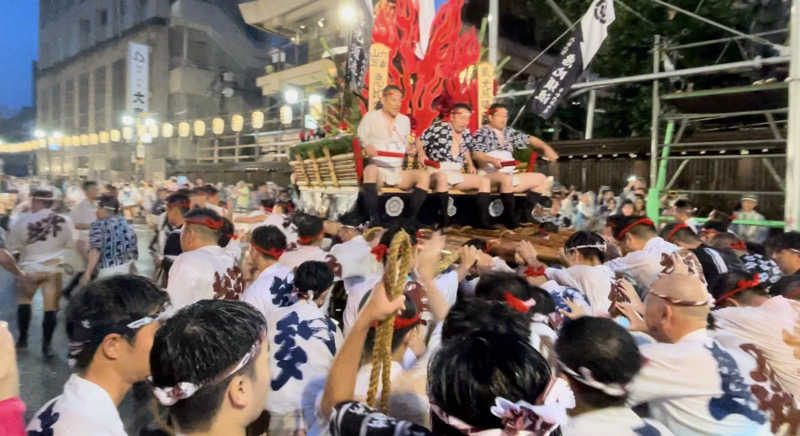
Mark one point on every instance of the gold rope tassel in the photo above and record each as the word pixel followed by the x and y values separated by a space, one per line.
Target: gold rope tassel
pixel 398 266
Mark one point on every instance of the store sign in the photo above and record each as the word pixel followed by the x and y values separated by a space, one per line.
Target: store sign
pixel 138 77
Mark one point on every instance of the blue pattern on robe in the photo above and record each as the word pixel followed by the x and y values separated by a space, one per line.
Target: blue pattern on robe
pixel 282 291
pixel 290 356
pixel 647 430
pixel 737 398
pixel 47 419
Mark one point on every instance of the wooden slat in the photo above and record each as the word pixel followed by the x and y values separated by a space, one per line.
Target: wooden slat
pixel 302 170
pixel 315 166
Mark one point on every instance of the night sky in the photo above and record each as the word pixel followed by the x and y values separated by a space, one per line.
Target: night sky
pixel 19 48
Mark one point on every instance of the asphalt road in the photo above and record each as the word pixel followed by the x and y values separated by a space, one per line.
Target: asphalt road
pixel 40 379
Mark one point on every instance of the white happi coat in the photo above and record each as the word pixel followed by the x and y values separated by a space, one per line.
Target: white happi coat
pixel 617 421
pixel 271 290
pixel 698 387
pixel 84 213
pixel 206 273
pixel 593 281
pixel 773 327
pixel 644 265
pixel 84 408
pixel 302 343
pixel 303 253
pixel 41 239
pixel 278 221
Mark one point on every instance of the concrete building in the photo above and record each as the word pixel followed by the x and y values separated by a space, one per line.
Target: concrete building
pixel 203 62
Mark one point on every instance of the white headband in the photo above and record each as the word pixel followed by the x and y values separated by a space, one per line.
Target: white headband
pixel 587 378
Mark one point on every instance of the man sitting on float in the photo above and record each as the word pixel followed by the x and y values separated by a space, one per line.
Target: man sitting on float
pixel 385 135
pixel 492 151
pixel 446 146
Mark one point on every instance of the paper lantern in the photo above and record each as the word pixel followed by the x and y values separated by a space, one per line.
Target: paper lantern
pixel 93 139
pixel 114 135
pixel 84 139
pixel 286 114
pixel 217 126
pixel 237 123
pixel 76 140
pixel 153 130
pixel 167 130
pixel 67 141
pixel 183 129
pixel 141 130
pixel 257 119
pixel 42 142
pixel 102 137
pixel 199 128
pixel 127 133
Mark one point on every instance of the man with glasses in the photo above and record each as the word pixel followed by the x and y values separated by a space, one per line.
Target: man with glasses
pixel 110 325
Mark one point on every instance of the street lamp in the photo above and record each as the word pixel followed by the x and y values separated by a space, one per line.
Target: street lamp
pixel 291 96
pixel 347 14
pixel 39 133
pixel 127 120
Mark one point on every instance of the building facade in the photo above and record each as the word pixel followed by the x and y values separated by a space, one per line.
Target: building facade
pixel 203 62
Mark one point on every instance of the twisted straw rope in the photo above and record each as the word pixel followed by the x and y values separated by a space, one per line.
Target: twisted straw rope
pixel 398 266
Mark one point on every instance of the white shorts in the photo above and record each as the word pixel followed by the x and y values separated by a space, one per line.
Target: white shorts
pixel 47 267
pixel 390 176
pixel 451 170
pixel 490 170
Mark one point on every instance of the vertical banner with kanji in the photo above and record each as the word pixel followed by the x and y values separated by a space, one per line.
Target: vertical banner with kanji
pixel 138 78
pixel 485 88
pixel 378 72
pixel 574 57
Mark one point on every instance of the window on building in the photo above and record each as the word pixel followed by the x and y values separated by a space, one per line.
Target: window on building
pixel 84 34
pixel 117 90
pixel 56 100
pixel 102 24
pixel 69 105
pixel 83 102
pixel 199 50
pixel 141 10
pixel 100 99
pixel 176 53
pixel 43 108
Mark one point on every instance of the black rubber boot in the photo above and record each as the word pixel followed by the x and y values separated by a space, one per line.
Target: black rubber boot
pixel 417 199
pixel 370 197
pixel 444 201
pixel 509 204
pixel 48 327
pixel 482 202
pixel 23 322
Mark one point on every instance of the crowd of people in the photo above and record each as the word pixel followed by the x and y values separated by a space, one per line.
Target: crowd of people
pixel 261 319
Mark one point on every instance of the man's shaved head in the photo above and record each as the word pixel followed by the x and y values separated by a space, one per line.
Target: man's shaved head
pixel 670 313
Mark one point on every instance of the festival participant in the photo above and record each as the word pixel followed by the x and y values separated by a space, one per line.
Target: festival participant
pixel 129 197
pixel 83 215
pixel 750 233
pixel 627 208
pixel 110 326
pixel 212 199
pixel 272 213
pixel 714 263
pixel 753 263
pixel 204 270
pixel 168 239
pixel 583 254
pixel 12 408
pixel 690 381
pixel 309 237
pixel 198 198
pixel 479 382
pixel 303 340
pixel 599 358
pixel 113 243
pixel 273 287
pixel 210 365
pixel 786 253
pixel 738 289
pixel 41 237
pixel 642 246
pixel 446 152
pixel 492 149
pixel 684 213
pixel 8 262
pixel 384 133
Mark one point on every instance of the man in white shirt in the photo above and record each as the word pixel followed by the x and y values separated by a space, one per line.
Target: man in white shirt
pixel 384 134
pixel 645 252
pixel 309 238
pixel 204 270
pixel 273 287
pixel 110 324
pixel 41 238
pixel 692 383
pixel 83 216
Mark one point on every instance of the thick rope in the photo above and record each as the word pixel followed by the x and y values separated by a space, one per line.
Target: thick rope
pixel 398 266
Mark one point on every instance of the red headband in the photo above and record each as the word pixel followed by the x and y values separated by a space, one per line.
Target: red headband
pixel 273 253
pixel 739 245
pixel 677 228
pixel 741 285
pixel 534 272
pixel 517 304
pixel 646 221
pixel 379 251
pixel 205 222
pixel 305 240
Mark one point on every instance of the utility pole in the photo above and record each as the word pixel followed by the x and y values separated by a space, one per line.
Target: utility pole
pixel 494 25
pixel 792 208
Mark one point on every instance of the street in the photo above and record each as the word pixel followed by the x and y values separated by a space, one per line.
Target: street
pixel 40 379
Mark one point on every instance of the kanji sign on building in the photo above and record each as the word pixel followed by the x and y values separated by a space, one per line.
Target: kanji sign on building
pixel 138 78
pixel 378 72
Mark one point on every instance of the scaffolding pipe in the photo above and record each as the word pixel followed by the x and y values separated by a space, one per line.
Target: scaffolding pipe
pixel 708 69
pixel 590 115
pixel 725 156
pixel 654 195
pixel 764 223
pixel 711 116
pixel 728 192
pixel 792 206
pixel 655 112
pixel 494 26
pixel 716 41
pixel 737 142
